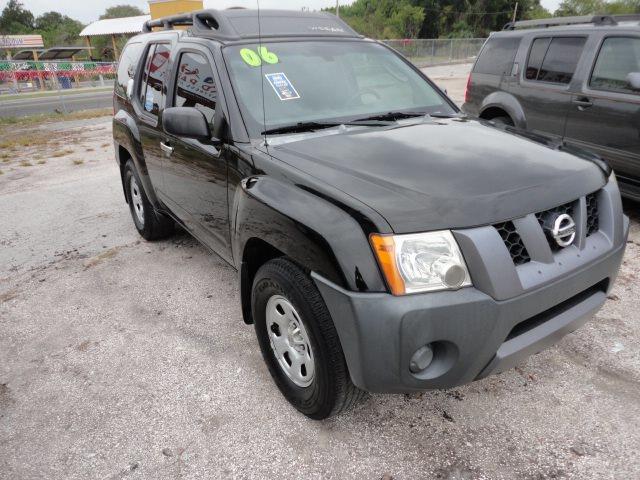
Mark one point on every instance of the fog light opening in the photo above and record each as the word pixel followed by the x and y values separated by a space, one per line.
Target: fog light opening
pixel 421 359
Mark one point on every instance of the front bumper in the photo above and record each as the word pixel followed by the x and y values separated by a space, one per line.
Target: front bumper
pixel 509 314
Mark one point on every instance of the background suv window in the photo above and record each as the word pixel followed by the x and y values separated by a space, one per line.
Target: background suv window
pixel 497 56
pixel 155 71
pixel 560 59
pixel 618 57
pixel 195 85
pixel 127 67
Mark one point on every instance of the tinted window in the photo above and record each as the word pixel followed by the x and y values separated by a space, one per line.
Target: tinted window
pixel 195 85
pixel 127 68
pixel 536 56
pixel 618 57
pixel 155 70
pixel 497 56
pixel 561 60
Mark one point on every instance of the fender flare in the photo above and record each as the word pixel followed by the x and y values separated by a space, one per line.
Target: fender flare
pixel 507 102
pixel 127 135
pixel 318 235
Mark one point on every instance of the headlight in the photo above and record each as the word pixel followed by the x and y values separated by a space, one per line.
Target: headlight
pixel 420 262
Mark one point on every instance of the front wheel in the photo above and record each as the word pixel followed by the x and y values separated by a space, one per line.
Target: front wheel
pixel 299 342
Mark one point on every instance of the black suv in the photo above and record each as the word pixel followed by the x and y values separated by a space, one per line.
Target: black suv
pixel 576 79
pixel 384 241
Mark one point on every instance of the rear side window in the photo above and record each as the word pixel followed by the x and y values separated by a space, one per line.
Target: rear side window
pixel 195 85
pixel 618 57
pixel 127 69
pixel 153 78
pixel 497 56
pixel 559 61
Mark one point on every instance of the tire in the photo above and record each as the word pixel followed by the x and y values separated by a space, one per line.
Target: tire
pixel 328 390
pixel 503 121
pixel 150 224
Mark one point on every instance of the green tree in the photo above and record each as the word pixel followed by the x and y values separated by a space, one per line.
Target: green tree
pixel 408 20
pixel 121 11
pixel 57 29
pixel 15 19
pixel 595 7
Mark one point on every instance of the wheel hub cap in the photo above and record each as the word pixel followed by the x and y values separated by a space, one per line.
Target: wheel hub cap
pixel 289 341
pixel 136 200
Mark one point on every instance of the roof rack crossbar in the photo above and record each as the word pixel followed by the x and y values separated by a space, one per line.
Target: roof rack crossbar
pixel 561 21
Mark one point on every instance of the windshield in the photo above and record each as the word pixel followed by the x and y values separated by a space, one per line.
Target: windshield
pixel 325 81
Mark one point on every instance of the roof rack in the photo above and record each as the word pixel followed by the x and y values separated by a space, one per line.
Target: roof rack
pixel 580 20
pixel 238 24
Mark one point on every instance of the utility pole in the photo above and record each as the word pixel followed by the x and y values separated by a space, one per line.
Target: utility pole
pixel 338 8
pixel 515 12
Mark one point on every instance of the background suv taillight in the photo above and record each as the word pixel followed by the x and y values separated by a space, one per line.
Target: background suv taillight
pixel 467 93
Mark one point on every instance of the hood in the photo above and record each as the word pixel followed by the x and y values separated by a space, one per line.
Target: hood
pixel 444 174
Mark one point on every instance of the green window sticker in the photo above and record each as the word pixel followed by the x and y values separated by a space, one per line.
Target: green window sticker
pixel 254 59
pixel 268 56
pixel 250 57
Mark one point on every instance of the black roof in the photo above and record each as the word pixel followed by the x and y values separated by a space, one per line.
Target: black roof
pixel 240 24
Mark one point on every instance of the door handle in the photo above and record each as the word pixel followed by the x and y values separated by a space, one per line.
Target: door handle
pixel 582 102
pixel 166 148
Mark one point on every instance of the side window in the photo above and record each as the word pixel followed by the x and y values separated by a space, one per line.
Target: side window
pixel 536 56
pixel 561 60
pixel 618 57
pixel 127 69
pixel 497 56
pixel 153 78
pixel 195 85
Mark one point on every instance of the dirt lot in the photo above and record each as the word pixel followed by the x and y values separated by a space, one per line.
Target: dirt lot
pixel 126 359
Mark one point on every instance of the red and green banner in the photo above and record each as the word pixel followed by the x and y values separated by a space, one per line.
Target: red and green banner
pixel 29 69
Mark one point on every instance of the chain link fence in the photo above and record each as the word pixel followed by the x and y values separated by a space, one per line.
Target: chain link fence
pixel 424 52
pixel 20 76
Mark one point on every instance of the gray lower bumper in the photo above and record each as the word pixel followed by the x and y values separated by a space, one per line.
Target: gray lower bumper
pixel 474 334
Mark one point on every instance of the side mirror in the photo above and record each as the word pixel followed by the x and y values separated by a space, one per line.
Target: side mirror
pixel 186 122
pixel 634 80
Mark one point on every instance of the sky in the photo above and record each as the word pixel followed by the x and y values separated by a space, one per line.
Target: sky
pixel 89 10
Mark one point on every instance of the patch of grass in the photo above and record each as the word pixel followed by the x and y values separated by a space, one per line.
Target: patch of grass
pixel 90 149
pixel 24 141
pixel 51 117
pixel 61 153
pixel 26 163
pixel 105 145
pixel 1 172
pixel 42 162
pixel 78 162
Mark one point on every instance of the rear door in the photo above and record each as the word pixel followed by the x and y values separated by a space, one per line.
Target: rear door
pixel 150 103
pixel 543 90
pixel 195 172
pixel 605 114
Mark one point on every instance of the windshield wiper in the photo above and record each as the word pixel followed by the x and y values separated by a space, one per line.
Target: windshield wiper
pixel 300 127
pixel 311 126
pixel 390 116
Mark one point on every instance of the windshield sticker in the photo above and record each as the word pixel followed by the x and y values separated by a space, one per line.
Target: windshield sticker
pixel 282 86
pixel 255 59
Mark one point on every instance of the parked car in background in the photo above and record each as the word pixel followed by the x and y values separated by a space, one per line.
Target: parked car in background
pixel 576 79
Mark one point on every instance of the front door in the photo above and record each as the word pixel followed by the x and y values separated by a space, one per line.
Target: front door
pixel 195 172
pixel 605 115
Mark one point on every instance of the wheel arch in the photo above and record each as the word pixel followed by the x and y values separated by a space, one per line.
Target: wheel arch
pixel 272 218
pixel 503 104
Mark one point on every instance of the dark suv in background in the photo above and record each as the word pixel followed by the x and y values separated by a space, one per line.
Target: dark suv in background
pixel 576 79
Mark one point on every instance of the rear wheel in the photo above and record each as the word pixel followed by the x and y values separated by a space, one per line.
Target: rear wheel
pixel 299 342
pixel 503 120
pixel 150 224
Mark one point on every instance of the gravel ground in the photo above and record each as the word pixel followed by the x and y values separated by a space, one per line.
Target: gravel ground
pixel 121 358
